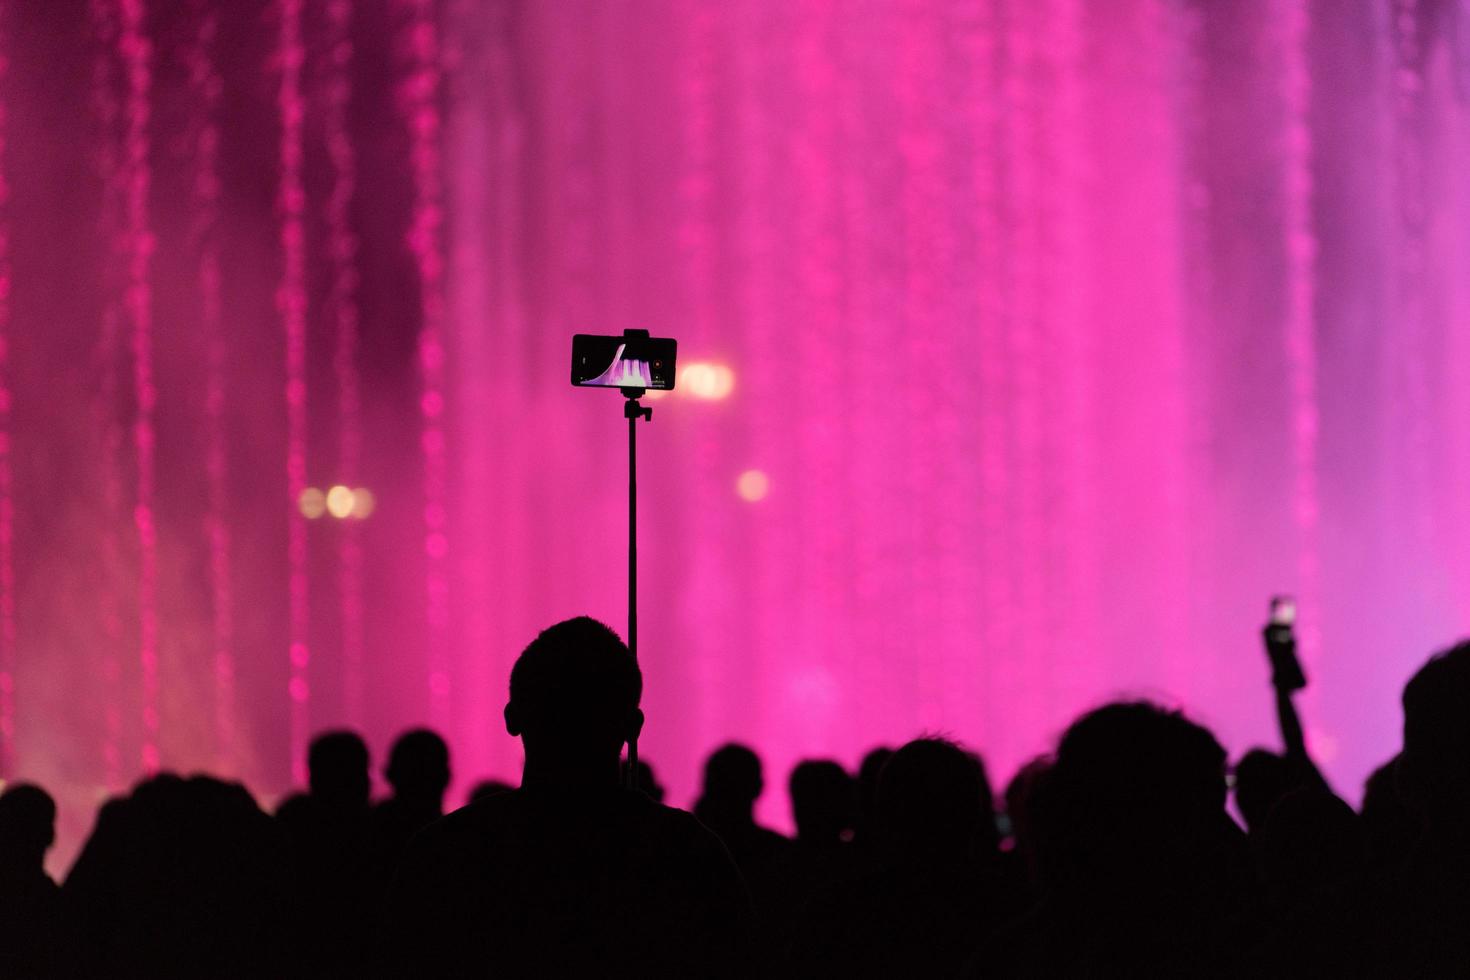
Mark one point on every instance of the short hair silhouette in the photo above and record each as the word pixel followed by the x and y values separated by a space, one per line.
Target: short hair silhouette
pixel 575 687
pixel 934 801
pixel 1147 762
pixel 337 764
pixel 1435 764
pixel 418 764
pixel 823 800
pixel 1261 778
pixel 572 874
pixel 27 824
pixel 30 903
pixel 732 776
pixel 204 875
pixel 1133 787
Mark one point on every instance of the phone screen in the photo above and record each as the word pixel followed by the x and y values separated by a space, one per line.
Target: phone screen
pixel 1283 610
pixel 623 362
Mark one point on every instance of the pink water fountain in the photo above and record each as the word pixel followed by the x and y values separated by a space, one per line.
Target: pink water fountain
pixel 1028 348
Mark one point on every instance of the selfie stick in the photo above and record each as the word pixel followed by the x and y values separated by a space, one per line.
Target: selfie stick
pixel 633 410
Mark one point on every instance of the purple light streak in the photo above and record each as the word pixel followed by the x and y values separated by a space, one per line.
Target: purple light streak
pixel 420 93
pixel 709 593
pixel 342 304
pixel 816 287
pixel 1023 325
pixel 102 20
pixel 983 121
pixel 1409 361
pixel 206 89
pixel 291 299
pixel 1300 333
pixel 7 470
pixel 135 52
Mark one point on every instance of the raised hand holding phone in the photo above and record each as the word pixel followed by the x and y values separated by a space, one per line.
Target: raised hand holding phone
pixel 1280 636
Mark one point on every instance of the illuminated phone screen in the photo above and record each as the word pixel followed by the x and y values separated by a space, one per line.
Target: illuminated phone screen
pixel 1283 611
pixel 623 362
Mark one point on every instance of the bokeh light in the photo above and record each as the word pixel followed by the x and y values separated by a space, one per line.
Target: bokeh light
pixel 363 503
pixel 711 382
pixel 753 485
pixel 339 501
pixel 313 503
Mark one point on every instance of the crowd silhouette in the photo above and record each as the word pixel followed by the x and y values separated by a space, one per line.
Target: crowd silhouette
pixel 1112 856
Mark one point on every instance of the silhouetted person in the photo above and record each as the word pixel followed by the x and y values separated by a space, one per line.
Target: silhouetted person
pixel 824 808
pixel 733 781
pixel 337 765
pixel 732 784
pixel 1261 779
pixel 1313 860
pixel 1144 873
pixel 823 804
pixel 338 891
pixel 938 888
pixel 29 899
pixel 1025 880
pixel 418 771
pixel 1390 826
pixel 572 874
pixel 183 878
pixel 1428 916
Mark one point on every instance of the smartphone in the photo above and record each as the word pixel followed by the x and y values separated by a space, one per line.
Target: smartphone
pixel 1286 670
pixel 631 361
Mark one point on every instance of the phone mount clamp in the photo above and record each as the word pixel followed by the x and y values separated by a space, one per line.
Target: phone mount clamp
pixel 633 410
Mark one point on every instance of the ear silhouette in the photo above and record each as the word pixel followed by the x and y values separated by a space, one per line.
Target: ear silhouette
pixel 635 725
pixel 513 724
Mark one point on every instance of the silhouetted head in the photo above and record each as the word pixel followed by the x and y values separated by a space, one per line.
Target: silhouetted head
pixel 823 801
pixel 574 696
pixel 203 870
pixel 1021 792
pixel 338 765
pixel 1261 778
pixel 732 777
pixel 1434 768
pixel 27 825
pixel 1026 794
pixel 1135 788
pixel 934 802
pixel 418 766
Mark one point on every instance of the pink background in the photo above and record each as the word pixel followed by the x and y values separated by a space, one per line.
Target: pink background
pixel 1066 333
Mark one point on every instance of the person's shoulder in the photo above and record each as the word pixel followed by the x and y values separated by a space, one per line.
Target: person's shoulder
pixel 458 843
pixel 473 820
pixel 668 818
pixel 672 829
pixel 297 806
